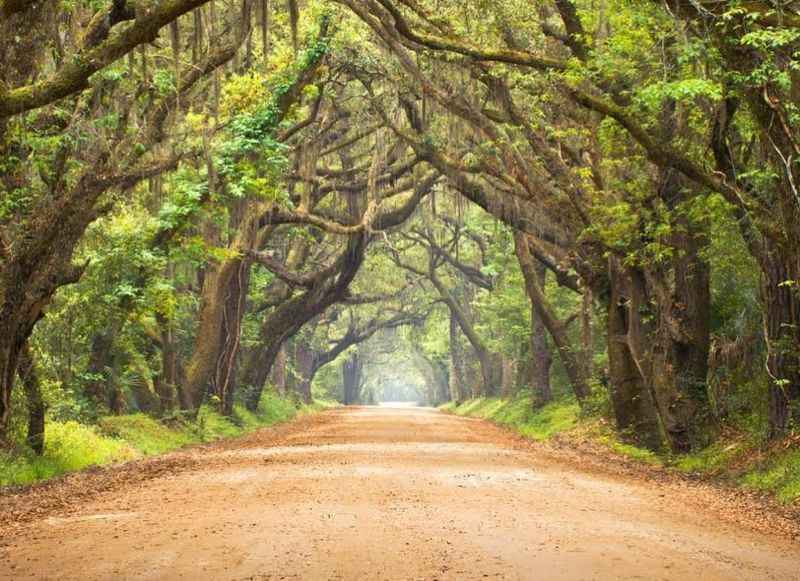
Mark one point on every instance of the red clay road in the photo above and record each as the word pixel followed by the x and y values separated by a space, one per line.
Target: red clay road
pixel 382 493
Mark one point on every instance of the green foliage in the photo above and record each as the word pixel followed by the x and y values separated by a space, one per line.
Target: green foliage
pixel 684 91
pixel 519 415
pixel 250 158
pixel 188 188
pixel 741 459
pixel 780 474
pixel 145 434
pixel 736 458
pixel 71 446
pixel 631 451
pixel 715 458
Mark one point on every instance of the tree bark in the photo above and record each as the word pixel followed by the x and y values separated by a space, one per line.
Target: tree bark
pixel 33 396
pixel 567 353
pixel 74 75
pixel 351 379
pixel 279 371
pixel 781 300
pixel 211 332
pixel 212 368
pixel 288 318
pixel 664 327
pixel 541 359
pixel 634 408
pixel 459 390
pixel 304 371
pixel 491 371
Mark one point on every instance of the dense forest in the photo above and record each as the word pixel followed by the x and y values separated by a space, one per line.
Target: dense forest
pixel 209 206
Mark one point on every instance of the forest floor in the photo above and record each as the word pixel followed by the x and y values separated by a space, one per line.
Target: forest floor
pixel 386 493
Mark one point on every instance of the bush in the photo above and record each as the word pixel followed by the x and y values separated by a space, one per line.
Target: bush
pixel 71 446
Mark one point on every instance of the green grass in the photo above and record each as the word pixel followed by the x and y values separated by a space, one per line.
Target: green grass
pixel 714 459
pixel 517 413
pixel 744 461
pixel 779 474
pixel 559 417
pixel 634 452
pixel 71 446
pixel 737 457
pixel 144 434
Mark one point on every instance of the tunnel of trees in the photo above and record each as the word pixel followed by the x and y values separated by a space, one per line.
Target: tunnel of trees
pixel 359 200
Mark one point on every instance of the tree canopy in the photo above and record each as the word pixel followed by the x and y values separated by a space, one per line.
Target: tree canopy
pixel 376 199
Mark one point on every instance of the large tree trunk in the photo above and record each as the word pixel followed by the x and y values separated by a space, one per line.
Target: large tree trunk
pixel 212 368
pixel 681 289
pixel 667 307
pixel 634 408
pixel 10 347
pixel 224 381
pixel 351 379
pixel 567 353
pixel 459 391
pixel 663 325
pixel 208 346
pixel 33 396
pixel 304 370
pixel 290 316
pixel 778 252
pixel 278 327
pixel 541 359
pixel 781 300
pixel 279 371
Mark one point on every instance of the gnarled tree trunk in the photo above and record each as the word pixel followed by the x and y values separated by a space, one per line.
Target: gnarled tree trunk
pixel 567 353
pixel 634 408
pixel 658 353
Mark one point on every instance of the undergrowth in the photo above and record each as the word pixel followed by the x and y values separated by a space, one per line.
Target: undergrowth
pixel 518 413
pixel 71 446
pixel 737 457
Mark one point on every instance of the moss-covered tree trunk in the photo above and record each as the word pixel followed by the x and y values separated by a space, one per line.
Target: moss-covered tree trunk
pixel 567 353
pixel 541 359
pixel 781 299
pixel 279 370
pixel 303 363
pixel 459 391
pixel 288 318
pixel 491 370
pixel 352 378
pixel 634 408
pixel 35 402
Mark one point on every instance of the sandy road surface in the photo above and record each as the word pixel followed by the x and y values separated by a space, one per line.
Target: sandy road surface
pixel 377 493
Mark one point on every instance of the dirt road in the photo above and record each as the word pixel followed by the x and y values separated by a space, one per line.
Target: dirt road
pixel 378 493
